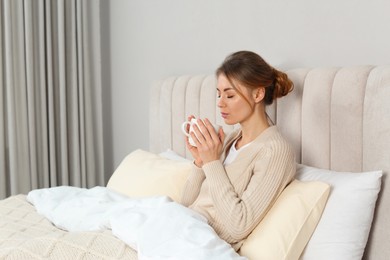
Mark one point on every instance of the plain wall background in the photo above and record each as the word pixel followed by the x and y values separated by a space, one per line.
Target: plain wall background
pixel 147 40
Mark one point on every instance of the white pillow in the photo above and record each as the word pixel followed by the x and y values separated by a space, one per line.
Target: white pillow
pixel 289 224
pixel 172 155
pixel 143 174
pixel 343 230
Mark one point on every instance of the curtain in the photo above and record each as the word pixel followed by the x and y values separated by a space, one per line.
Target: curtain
pixel 50 95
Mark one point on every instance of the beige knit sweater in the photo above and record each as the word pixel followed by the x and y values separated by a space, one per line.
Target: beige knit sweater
pixel 235 198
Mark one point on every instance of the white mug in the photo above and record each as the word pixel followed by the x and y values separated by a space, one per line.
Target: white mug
pixel 192 123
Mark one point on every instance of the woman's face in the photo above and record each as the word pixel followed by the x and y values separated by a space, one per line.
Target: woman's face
pixel 234 108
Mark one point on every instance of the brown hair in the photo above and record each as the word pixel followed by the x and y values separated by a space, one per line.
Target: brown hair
pixel 252 71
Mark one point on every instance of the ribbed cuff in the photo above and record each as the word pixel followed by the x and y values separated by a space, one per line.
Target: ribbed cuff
pixel 215 173
pixel 197 175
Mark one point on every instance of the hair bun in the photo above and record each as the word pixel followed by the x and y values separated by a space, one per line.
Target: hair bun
pixel 283 85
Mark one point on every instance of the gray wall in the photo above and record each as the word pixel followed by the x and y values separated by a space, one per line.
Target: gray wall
pixel 145 40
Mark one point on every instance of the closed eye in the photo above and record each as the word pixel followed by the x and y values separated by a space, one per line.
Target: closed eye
pixel 229 93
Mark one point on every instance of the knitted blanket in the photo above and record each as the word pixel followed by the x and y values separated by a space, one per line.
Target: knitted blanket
pixel 24 234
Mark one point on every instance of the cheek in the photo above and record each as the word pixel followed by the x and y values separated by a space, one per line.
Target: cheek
pixel 240 102
pixel 241 107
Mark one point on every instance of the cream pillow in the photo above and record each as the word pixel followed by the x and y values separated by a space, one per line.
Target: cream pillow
pixel 288 226
pixel 143 174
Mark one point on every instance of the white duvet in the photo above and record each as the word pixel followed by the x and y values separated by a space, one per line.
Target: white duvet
pixel 156 227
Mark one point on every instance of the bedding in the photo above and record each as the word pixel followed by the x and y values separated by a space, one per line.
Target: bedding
pixel 156 227
pixel 286 229
pixel 25 234
pixel 283 235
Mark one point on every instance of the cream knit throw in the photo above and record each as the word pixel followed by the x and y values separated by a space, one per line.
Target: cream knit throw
pixel 24 234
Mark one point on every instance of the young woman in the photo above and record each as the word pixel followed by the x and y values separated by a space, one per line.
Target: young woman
pixel 235 180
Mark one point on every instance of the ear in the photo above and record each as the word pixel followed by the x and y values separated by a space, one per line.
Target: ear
pixel 258 94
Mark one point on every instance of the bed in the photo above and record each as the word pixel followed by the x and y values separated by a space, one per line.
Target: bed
pixel 338 121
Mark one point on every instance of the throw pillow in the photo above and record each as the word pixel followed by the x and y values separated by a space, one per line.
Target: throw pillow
pixel 288 226
pixel 143 174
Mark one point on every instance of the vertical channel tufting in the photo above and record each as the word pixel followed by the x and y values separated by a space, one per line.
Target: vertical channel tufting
pixel 193 99
pixel 346 126
pixel 154 116
pixel 376 155
pixel 207 97
pixel 166 112
pixel 316 102
pixel 289 111
pixel 271 111
pixel 178 113
pixel 376 120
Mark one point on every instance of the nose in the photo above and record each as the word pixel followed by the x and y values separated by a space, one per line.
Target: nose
pixel 220 102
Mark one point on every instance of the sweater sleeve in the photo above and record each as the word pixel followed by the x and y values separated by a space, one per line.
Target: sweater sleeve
pixel 240 214
pixel 192 186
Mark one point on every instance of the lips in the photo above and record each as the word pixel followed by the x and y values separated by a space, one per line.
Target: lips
pixel 224 115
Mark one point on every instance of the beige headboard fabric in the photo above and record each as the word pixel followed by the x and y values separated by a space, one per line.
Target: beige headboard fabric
pixel 336 118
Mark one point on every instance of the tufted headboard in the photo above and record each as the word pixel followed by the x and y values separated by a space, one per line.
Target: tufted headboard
pixel 336 118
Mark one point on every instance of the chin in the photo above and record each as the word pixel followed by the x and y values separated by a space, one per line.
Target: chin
pixel 229 122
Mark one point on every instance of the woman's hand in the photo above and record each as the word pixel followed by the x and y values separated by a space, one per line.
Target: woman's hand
pixel 208 142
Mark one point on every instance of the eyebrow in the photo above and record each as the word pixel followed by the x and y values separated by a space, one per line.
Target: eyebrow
pixel 226 89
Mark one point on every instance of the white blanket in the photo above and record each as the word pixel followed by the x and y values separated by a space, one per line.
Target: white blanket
pixel 156 227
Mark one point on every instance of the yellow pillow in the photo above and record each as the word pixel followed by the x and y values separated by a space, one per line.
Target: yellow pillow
pixel 143 174
pixel 288 226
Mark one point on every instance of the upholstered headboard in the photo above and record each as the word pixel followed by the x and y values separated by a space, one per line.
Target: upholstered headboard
pixel 336 118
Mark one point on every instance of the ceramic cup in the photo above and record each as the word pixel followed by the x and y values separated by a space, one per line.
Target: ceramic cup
pixel 191 129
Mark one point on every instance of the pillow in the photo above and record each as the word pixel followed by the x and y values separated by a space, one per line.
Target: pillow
pixel 343 230
pixel 172 155
pixel 287 227
pixel 143 174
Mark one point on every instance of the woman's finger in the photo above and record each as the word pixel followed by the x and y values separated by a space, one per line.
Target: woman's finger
pixel 213 134
pixel 195 138
pixel 187 143
pixel 204 130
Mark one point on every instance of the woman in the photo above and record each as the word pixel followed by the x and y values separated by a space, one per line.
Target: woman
pixel 234 182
